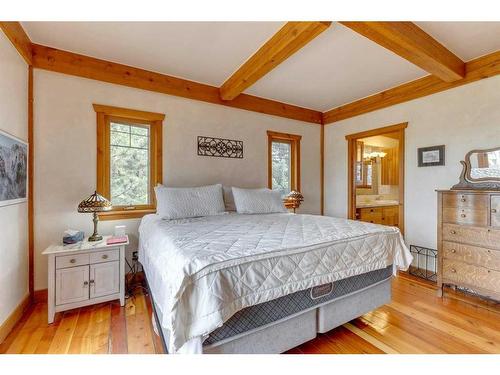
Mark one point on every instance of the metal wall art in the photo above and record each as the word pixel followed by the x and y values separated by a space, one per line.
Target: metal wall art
pixel 220 147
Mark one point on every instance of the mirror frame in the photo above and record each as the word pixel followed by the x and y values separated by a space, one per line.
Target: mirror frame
pixel 468 183
pixel 469 166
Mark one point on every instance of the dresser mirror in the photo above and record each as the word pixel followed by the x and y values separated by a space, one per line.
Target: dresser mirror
pixel 481 170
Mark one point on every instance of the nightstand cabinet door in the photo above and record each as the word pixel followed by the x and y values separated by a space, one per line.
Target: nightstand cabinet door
pixel 104 279
pixel 72 285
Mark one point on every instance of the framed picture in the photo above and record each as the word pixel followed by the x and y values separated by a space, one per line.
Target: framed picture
pixel 13 170
pixel 431 156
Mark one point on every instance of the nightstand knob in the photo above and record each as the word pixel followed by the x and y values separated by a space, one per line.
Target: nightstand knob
pixel 104 256
pixel 85 283
pixel 72 261
pixel 463 215
pixel 92 281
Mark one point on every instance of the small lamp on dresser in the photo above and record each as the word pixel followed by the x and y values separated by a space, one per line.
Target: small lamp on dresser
pixel 95 203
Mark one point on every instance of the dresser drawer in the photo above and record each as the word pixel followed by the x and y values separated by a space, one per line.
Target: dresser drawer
pixel 105 256
pixel 467 216
pixel 478 256
pixel 470 275
pixel 471 235
pixel 72 260
pixel 465 200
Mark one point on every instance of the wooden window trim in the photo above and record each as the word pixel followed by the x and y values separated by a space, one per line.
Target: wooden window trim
pixel 155 121
pixel 294 141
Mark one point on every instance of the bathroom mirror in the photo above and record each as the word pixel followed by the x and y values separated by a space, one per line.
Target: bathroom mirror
pixel 481 170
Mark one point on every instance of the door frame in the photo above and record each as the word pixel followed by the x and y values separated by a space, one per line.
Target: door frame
pixel 351 160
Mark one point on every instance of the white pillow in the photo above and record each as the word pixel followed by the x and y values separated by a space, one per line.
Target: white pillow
pixel 258 201
pixel 179 203
pixel 228 198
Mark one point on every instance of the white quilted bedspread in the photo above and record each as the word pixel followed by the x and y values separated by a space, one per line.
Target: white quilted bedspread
pixel 203 270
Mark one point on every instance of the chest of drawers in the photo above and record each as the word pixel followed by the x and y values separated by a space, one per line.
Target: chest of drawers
pixel 469 241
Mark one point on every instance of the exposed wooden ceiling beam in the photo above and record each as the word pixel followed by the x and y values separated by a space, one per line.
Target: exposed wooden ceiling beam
pixel 88 67
pixel 482 67
pixel 18 37
pixel 413 44
pixel 288 40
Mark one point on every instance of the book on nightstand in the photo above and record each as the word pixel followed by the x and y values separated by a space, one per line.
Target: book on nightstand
pixel 114 240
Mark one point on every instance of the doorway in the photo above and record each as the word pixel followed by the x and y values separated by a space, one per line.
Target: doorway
pixel 376 175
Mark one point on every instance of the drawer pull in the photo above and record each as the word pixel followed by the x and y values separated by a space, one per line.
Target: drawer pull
pixel 105 256
pixel 453 270
pixel 92 281
pixel 85 283
pixel 463 215
pixel 453 231
pixel 463 199
pixel 493 211
pixel 73 260
pixel 453 251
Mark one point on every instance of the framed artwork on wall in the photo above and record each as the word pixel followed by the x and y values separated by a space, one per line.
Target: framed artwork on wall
pixel 13 170
pixel 431 156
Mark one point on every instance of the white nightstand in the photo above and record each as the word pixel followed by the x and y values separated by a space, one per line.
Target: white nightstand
pixel 85 273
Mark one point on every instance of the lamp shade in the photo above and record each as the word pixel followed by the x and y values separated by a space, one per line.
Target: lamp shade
pixel 95 203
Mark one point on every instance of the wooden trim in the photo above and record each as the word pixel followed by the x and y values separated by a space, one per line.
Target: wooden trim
pixel 322 169
pixel 413 44
pixel 40 296
pixel 18 37
pixel 480 68
pixel 70 63
pixel 294 141
pixel 105 114
pixel 351 161
pixel 31 185
pixel 288 40
pixel 379 131
pixel 124 214
pixel 128 113
pixel 14 317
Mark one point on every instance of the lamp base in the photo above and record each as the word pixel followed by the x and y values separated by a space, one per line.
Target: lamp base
pixel 95 237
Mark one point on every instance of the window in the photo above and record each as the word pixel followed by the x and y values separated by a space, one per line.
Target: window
pixel 283 162
pixel 129 160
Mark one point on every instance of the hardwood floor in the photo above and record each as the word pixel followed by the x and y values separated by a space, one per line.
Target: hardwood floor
pixel 416 321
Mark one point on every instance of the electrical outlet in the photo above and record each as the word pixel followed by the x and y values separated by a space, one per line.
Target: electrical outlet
pixel 135 257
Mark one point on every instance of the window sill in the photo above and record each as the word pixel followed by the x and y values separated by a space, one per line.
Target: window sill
pixel 125 214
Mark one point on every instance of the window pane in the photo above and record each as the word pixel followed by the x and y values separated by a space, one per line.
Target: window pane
pixel 281 167
pixel 129 164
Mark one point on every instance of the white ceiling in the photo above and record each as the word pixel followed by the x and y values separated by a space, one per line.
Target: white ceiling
pixel 337 67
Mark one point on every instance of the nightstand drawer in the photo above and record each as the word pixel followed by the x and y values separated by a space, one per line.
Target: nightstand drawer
pixel 72 260
pixel 104 256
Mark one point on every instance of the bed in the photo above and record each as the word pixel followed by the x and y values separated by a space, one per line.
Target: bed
pixel 264 283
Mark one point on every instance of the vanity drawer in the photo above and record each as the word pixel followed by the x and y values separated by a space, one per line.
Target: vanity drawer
pixel 479 256
pixel 465 200
pixel 371 215
pixel 472 235
pixel 105 256
pixel 467 216
pixel 72 260
pixel 471 275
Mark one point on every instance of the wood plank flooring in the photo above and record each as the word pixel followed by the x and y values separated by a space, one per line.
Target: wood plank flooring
pixel 416 321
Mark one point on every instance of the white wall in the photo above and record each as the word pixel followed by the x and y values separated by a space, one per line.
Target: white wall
pixel 463 118
pixel 65 144
pixel 14 218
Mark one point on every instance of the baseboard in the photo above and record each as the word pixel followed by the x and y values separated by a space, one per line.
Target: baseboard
pixel 40 296
pixel 14 317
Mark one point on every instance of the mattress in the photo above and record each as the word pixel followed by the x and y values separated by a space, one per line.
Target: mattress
pixel 256 316
pixel 204 270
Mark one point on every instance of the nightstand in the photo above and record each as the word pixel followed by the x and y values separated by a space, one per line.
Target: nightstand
pixel 84 274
